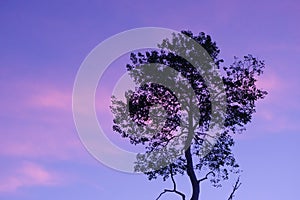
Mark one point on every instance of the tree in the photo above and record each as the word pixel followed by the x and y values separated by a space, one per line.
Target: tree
pixel 191 141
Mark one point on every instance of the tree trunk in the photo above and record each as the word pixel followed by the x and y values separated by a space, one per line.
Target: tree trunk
pixel 192 175
pixel 188 155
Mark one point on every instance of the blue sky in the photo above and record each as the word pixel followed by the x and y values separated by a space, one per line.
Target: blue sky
pixel 42 45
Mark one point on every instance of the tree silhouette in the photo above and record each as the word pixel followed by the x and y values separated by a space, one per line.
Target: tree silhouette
pixel 174 114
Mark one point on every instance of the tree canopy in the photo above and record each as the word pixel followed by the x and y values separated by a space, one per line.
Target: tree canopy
pixel 173 113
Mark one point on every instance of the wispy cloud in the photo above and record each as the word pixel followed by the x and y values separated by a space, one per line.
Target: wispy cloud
pixel 277 113
pixel 44 121
pixel 29 174
pixel 53 98
pixel 42 144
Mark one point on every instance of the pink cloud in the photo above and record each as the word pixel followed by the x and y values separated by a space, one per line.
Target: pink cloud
pixel 277 112
pixel 103 101
pixel 39 133
pixel 39 148
pixel 270 82
pixel 20 98
pixel 29 174
pixel 53 98
pixel 37 122
pixel 279 90
pixel 273 120
pixel 45 127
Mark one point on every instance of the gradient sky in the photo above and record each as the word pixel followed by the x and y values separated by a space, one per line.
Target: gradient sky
pixel 43 43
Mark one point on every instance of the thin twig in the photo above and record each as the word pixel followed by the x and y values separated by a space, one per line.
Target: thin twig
pixel 235 187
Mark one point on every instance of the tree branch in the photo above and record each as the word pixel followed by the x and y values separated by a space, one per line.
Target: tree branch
pixel 175 191
pixel 235 187
pixel 174 187
pixel 172 177
pixel 206 176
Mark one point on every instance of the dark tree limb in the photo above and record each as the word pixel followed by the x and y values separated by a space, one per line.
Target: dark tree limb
pixel 174 190
pixel 235 188
pixel 206 176
pixel 191 174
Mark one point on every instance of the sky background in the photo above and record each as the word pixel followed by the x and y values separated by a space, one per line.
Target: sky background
pixel 43 43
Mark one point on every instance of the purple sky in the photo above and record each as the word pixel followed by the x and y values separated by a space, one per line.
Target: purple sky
pixel 42 45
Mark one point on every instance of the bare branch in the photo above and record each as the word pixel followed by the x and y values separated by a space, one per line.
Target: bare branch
pixel 174 187
pixel 206 176
pixel 235 187
pixel 172 177
pixel 175 191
